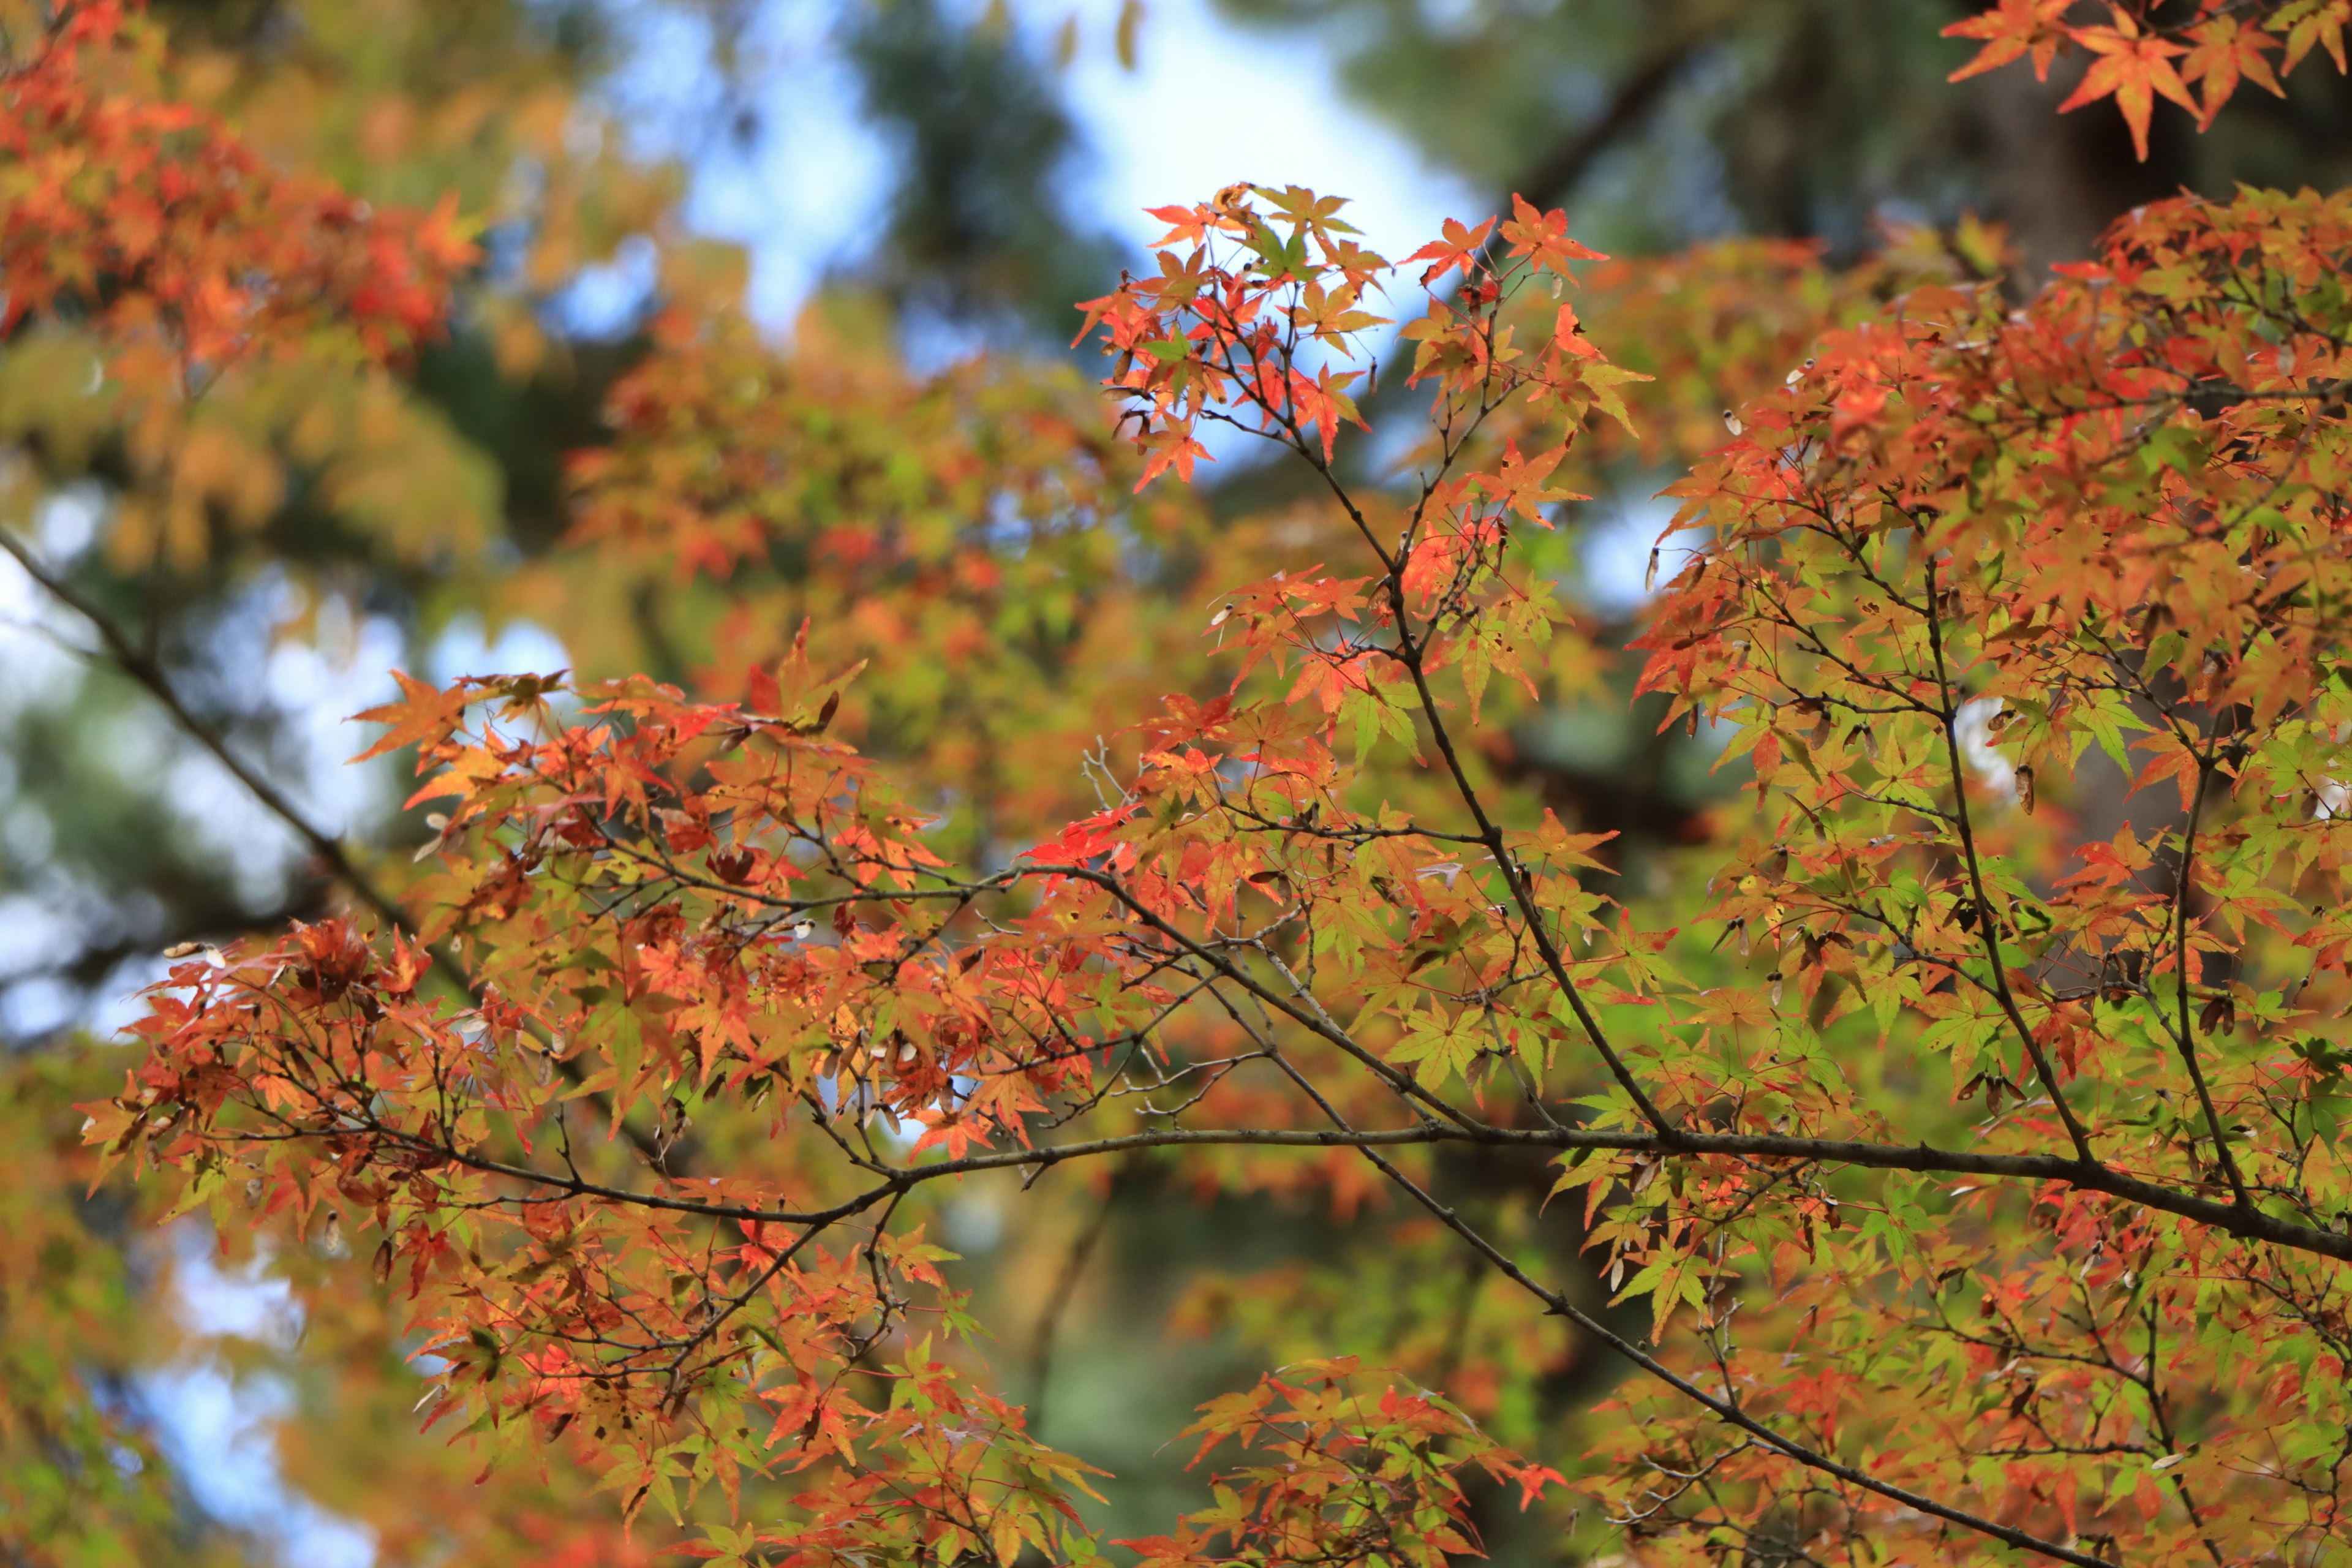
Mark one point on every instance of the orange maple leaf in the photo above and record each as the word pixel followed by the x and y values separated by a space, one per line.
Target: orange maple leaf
pixel 2134 67
pixel 1544 237
pixel 1460 249
pixel 2224 51
pixel 426 718
pixel 2013 28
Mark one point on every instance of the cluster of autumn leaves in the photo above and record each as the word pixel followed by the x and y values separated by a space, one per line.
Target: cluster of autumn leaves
pixel 1975 1171
pixel 181 252
pixel 2194 55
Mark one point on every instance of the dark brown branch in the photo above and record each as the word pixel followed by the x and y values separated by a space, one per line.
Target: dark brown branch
pixel 2186 1039
pixel 127 658
pixel 2246 1223
pixel 1989 922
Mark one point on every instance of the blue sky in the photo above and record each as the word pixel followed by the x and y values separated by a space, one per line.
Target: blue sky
pixel 1206 104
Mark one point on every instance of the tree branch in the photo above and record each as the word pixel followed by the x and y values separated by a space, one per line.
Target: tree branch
pixel 2181 958
pixel 2246 1223
pixel 1988 918
pixel 132 661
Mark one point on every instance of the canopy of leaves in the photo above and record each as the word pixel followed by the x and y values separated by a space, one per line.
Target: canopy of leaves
pixel 1933 1127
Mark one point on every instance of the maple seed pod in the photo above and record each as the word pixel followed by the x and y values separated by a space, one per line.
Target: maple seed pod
pixel 1559 285
pixel 1775 978
pixel 1731 423
pixel 1650 578
pixel 2025 788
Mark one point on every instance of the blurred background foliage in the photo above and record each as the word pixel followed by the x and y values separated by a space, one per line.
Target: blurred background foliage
pixel 606 464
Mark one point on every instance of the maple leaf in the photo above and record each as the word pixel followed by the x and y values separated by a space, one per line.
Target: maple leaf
pixel 1517 482
pixel 1186 225
pixel 2224 50
pixel 1543 237
pixel 2010 30
pixel 1568 334
pixel 427 716
pixel 1457 250
pixel 2134 67
pixel 2313 22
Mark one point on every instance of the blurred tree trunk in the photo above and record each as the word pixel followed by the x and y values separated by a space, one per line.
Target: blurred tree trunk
pixel 2057 181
